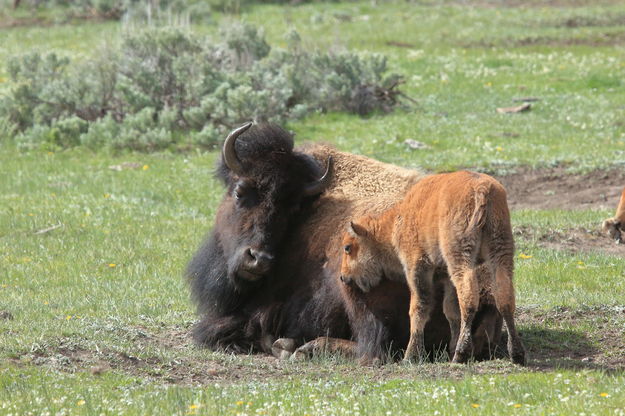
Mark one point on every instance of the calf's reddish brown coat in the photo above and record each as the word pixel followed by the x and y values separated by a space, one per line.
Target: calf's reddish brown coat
pixel 456 220
pixel 615 226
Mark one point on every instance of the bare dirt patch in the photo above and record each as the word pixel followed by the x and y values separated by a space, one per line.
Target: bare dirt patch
pixel 552 337
pixel 557 189
pixel 554 340
pixel 573 240
pixel 597 39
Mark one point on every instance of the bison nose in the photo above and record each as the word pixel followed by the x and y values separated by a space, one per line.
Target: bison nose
pixel 258 261
pixel 345 279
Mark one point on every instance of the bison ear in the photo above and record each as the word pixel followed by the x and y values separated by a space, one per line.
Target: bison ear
pixel 357 230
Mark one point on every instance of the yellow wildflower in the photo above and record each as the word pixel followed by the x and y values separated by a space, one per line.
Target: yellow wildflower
pixel 475 405
pixel 240 402
pixel 111 265
pixel 80 402
pixel 525 256
pixel 604 395
pixel 146 167
pixel 517 405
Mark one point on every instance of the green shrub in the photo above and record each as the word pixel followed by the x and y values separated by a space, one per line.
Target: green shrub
pixel 164 88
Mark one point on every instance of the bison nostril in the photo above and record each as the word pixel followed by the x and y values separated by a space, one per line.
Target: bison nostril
pixel 259 259
pixel 251 253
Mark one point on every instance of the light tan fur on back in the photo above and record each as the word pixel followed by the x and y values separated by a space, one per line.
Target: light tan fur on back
pixel 359 186
pixel 458 220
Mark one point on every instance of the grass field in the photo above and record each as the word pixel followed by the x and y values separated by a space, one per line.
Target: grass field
pixel 94 313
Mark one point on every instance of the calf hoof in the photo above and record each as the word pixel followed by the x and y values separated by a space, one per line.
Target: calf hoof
pixel 370 362
pixel 517 354
pixel 283 348
pixel 462 356
pixel 519 358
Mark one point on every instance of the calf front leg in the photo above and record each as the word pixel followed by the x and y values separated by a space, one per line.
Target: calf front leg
pixel 421 304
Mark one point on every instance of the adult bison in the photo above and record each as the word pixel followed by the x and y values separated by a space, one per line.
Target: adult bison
pixel 269 269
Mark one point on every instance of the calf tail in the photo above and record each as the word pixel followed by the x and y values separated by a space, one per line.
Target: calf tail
pixel 480 197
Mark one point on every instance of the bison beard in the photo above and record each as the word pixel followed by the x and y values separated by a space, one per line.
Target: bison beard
pixel 300 297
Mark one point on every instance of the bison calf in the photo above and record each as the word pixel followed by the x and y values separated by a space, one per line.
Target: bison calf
pixel 615 226
pixel 456 220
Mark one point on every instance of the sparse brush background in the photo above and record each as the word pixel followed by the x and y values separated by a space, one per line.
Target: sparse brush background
pixel 111 159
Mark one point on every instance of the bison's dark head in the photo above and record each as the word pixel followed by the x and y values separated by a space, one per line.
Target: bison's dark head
pixel 267 183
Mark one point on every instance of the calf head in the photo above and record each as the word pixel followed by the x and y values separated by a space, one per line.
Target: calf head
pixel 362 262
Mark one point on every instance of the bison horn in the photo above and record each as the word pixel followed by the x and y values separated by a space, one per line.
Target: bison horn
pixel 318 186
pixel 228 152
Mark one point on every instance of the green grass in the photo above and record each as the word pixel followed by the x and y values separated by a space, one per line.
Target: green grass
pixel 588 392
pixel 106 288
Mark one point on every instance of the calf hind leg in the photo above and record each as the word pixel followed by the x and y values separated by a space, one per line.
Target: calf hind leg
pixel 467 289
pixel 504 298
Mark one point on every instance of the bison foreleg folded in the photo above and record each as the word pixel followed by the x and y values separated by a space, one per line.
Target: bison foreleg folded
pixel 326 345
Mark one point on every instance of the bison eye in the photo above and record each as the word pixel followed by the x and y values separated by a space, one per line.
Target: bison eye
pixel 348 249
pixel 245 196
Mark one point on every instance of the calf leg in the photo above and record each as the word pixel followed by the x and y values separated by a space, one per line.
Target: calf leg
pixel 421 305
pixel 465 280
pixel 504 298
pixel 452 313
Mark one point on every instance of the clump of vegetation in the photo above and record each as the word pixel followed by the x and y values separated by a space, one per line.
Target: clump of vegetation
pixel 168 88
pixel 117 9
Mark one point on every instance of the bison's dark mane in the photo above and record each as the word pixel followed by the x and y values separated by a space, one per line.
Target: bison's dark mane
pixel 229 311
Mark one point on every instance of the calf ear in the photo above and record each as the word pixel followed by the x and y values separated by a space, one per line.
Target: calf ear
pixel 356 229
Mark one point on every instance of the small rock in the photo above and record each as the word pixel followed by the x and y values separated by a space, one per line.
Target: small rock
pixel 125 165
pixel 96 370
pixel 518 109
pixel 414 144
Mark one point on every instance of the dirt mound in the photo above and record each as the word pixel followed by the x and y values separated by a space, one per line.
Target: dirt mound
pixel 557 189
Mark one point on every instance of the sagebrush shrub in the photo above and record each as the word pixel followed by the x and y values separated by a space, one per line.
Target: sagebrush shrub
pixel 164 88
